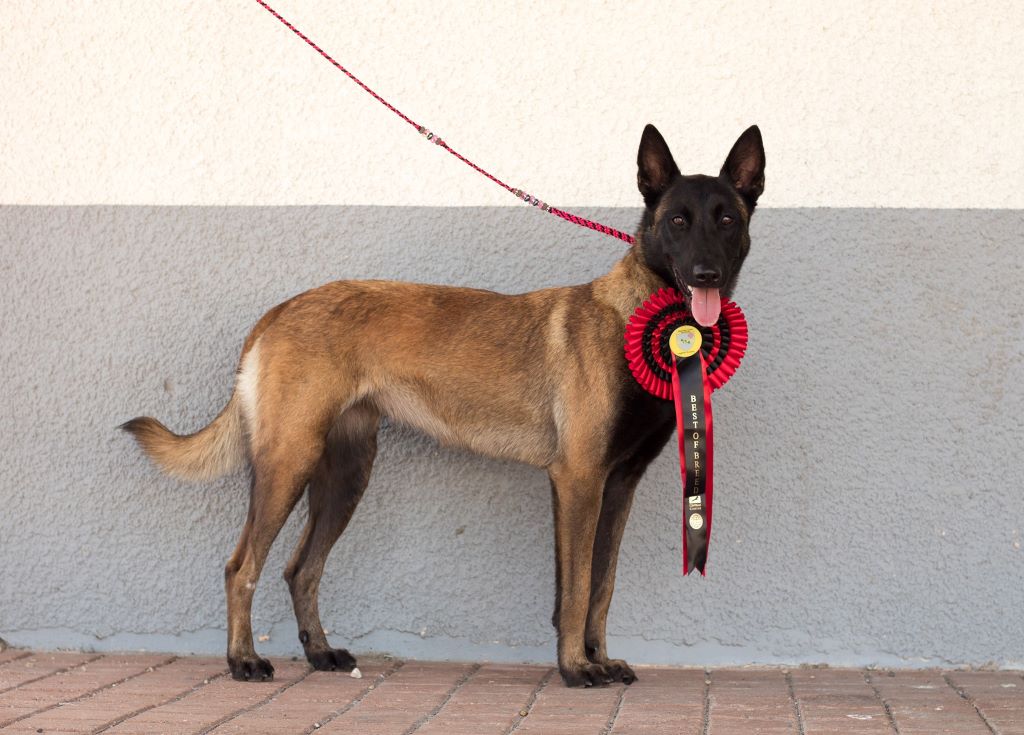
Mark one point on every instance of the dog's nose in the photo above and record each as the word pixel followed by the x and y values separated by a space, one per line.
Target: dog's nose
pixel 707 276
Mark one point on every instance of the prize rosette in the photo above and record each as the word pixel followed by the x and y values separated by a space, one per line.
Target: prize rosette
pixel 674 358
pixel 650 328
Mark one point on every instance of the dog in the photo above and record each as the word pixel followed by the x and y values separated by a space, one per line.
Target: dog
pixel 538 377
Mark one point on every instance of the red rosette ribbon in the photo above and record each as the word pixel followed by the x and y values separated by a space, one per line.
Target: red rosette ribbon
pixel 687 377
pixel 647 341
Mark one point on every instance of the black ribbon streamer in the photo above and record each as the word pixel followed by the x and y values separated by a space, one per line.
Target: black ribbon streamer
pixel 693 425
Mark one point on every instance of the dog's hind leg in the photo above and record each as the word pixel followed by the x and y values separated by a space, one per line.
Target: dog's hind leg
pixel 337 485
pixel 280 472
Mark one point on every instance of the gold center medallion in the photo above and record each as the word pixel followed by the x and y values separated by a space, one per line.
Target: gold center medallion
pixel 685 341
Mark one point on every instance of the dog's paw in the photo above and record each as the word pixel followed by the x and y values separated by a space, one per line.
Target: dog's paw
pixel 619 670
pixel 250 668
pixel 333 659
pixel 585 675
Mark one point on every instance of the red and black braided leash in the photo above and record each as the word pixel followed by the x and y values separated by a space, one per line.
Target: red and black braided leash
pixel 422 130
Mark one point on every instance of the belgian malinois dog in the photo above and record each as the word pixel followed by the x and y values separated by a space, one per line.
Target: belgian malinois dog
pixel 538 377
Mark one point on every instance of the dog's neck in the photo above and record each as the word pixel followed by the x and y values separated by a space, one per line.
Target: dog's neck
pixel 628 284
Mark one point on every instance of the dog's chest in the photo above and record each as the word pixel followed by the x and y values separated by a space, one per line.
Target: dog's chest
pixel 642 423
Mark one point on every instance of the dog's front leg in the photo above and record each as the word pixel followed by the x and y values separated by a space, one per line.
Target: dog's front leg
pixel 615 505
pixel 576 498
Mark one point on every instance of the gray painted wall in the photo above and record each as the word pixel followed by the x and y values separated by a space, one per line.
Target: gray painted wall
pixel 869 472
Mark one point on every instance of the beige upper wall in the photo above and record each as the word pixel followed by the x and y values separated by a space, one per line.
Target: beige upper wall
pixel 864 104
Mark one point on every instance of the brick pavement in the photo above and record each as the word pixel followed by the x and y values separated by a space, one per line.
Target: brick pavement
pixel 140 694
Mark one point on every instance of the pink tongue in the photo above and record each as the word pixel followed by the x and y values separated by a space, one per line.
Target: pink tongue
pixel 706 305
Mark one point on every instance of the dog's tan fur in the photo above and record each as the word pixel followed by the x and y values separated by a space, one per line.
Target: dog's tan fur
pixel 532 378
pixel 387 344
pixel 537 377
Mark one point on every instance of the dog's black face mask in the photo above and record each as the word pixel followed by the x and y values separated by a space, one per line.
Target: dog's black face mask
pixel 694 233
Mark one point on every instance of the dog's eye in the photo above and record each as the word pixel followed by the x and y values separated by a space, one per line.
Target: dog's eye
pixel 679 220
pixel 726 220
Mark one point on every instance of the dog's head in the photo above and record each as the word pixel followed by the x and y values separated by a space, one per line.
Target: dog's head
pixel 694 232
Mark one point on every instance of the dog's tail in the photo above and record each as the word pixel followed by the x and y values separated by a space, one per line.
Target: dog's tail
pixel 210 452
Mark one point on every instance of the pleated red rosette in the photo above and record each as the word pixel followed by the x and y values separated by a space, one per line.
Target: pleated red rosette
pixel 647 341
pixel 688 381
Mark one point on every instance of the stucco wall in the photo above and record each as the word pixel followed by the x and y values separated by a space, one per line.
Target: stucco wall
pixel 868 465
pixel 874 103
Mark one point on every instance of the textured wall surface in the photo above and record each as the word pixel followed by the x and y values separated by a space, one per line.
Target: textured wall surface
pixel 870 507
pixel 868 452
pixel 871 103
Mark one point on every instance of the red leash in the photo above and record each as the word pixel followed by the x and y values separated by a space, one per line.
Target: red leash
pixel 519 193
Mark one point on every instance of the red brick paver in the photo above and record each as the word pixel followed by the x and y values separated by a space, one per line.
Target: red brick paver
pixel 559 710
pixel 838 701
pixel 153 694
pixel 65 685
pixel 16 673
pixel 489 702
pixel 322 696
pixel 212 704
pixel 117 702
pixel 923 703
pixel 998 695
pixel 403 700
pixel 751 701
pixel 663 700
pixel 12 654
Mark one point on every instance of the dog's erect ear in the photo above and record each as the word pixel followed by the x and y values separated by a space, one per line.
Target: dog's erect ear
pixel 744 168
pixel 655 166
